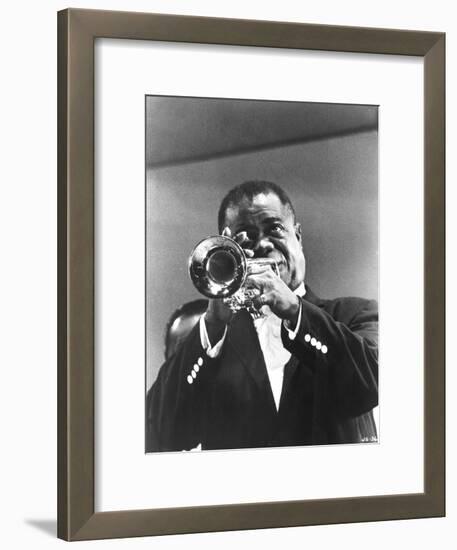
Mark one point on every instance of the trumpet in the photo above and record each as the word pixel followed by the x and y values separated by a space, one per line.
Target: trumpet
pixel 218 267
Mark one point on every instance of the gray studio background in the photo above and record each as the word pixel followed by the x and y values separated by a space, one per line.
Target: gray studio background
pixel 324 155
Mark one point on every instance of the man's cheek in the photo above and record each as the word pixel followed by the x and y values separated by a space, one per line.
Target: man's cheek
pixel 284 273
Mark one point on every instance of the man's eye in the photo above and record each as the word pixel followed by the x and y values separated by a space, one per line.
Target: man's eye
pixel 277 229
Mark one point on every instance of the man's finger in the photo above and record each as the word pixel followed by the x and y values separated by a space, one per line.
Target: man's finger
pixel 226 232
pixel 256 281
pixel 264 299
pixel 253 282
pixel 241 237
pixel 256 269
pixel 245 242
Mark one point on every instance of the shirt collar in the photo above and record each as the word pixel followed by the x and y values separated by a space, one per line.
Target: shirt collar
pixel 300 290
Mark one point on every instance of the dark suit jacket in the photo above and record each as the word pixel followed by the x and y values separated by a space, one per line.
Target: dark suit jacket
pixel 326 397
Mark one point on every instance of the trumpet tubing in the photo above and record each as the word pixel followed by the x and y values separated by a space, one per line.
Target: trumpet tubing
pixel 218 268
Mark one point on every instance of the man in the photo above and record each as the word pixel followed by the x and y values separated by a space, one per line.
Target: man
pixel 304 374
pixel 181 322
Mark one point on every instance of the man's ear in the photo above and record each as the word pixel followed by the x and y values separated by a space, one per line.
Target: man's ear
pixel 298 232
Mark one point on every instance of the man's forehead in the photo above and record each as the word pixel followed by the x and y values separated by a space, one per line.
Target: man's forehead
pixel 262 204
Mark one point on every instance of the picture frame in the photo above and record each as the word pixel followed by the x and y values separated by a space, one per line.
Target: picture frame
pixel 77 31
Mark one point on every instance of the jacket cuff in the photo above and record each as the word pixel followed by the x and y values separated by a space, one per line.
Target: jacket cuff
pixel 292 333
pixel 211 351
pixel 309 340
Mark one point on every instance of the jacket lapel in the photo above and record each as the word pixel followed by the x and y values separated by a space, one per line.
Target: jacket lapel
pixel 242 338
pixel 312 298
pixel 293 363
pixel 287 383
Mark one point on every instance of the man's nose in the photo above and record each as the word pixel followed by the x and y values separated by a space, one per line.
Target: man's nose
pixel 263 247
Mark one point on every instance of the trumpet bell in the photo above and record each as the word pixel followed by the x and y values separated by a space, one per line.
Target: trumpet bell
pixel 217 266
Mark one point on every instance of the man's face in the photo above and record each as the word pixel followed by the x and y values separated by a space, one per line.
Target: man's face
pixel 271 231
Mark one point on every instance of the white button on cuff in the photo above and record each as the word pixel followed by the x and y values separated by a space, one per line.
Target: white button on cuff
pixel 200 361
pixel 324 349
pixel 190 379
pixel 307 338
pixel 313 341
pixel 193 374
pixel 318 345
pixel 196 367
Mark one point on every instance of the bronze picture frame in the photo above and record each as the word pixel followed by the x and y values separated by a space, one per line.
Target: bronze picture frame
pixel 77 30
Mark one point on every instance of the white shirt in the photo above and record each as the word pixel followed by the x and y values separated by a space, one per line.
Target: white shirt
pixel 268 330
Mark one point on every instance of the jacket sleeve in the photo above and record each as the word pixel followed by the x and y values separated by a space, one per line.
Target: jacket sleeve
pixel 175 405
pixel 343 354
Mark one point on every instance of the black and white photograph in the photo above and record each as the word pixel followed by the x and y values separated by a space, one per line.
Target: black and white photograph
pixel 225 253
pixel 261 274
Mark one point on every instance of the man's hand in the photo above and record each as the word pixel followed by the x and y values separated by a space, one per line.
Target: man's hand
pixel 274 293
pixel 218 313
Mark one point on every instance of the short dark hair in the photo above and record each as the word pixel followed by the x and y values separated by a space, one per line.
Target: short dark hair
pixel 188 309
pixel 249 190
